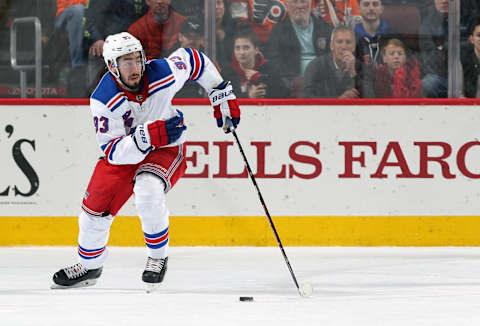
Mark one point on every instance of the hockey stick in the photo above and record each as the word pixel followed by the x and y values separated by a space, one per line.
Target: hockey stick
pixel 306 289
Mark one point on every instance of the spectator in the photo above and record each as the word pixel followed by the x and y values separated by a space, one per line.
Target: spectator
pixel 225 29
pixel 158 29
pixel 251 75
pixel 434 50
pixel 338 73
pixel 70 15
pixel 338 12
pixel 103 18
pixel 372 32
pixel 470 58
pixel 296 41
pixel 399 76
pixel 191 35
pixel 225 25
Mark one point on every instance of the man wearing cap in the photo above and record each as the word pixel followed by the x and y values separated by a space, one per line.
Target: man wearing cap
pixel 191 35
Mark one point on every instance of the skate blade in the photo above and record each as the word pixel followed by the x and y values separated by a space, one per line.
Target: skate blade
pixel 151 287
pixel 78 285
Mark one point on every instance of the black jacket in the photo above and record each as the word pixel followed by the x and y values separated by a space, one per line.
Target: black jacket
pixel 471 70
pixel 323 80
pixel 284 46
pixel 106 17
pixel 434 44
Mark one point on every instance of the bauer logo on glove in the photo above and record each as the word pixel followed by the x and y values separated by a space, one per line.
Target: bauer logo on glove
pixel 141 131
pixel 225 105
pixel 159 133
pixel 220 96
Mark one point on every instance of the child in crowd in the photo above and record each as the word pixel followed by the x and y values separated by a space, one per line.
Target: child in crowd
pixel 398 76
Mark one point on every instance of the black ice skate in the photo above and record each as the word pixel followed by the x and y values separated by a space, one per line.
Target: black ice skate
pixel 154 272
pixel 75 276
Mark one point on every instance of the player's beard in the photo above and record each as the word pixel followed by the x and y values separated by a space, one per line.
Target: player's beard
pixel 134 87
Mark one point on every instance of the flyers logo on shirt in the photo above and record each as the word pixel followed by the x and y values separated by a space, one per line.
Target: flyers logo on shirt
pixel 268 10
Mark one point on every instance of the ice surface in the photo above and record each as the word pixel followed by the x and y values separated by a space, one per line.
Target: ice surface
pixel 353 286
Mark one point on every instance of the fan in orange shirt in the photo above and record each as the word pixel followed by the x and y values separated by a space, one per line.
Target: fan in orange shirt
pixel 63 4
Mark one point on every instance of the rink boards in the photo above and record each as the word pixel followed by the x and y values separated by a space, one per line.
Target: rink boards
pixel 330 175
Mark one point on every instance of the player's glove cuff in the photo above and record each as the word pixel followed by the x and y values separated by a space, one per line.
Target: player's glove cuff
pixel 159 133
pixel 141 138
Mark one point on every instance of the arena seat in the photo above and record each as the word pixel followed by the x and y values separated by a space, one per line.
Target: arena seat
pixel 405 19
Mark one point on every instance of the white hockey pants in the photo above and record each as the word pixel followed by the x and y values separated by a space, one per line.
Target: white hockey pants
pixel 154 215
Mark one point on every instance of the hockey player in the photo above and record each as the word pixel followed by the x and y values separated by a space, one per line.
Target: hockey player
pixel 142 137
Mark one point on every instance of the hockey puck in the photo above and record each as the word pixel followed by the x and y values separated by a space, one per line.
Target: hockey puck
pixel 246 298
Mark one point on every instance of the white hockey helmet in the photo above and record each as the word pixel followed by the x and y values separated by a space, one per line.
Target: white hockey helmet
pixel 120 44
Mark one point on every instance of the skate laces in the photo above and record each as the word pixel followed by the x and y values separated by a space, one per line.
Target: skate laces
pixel 155 265
pixel 75 271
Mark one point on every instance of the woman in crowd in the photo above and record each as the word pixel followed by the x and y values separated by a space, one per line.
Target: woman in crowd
pixel 398 76
pixel 251 75
pixel 225 27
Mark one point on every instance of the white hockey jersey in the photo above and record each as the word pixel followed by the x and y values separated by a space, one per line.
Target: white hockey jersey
pixel 116 112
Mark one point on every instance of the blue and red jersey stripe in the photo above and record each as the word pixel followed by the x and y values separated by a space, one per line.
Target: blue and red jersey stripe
pixel 197 62
pixel 116 101
pixel 160 84
pixel 109 148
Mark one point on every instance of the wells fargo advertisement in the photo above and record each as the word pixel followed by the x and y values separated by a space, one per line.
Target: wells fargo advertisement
pixel 342 175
